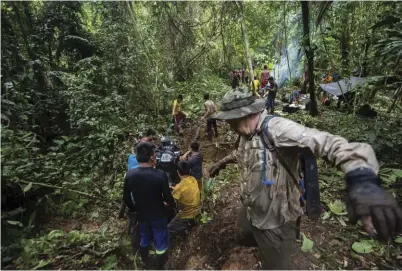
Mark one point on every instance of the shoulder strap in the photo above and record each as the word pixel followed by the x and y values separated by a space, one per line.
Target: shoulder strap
pixel 271 147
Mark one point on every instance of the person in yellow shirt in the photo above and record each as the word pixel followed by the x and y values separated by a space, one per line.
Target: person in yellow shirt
pixel 177 114
pixel 255 86
pixel 188 196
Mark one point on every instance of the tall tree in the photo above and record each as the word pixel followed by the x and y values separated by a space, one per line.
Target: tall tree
pixel 244 31
pixel 310 56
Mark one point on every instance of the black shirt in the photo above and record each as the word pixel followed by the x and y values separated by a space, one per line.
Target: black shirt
pixel 150 188
pixel 195 161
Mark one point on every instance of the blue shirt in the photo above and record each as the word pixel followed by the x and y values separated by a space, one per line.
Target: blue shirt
pixel 132 162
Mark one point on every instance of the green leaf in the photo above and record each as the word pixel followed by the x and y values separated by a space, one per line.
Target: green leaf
pixel 42 263
pixel 363 247
pixel 55 234
pixel 14 223
pixel 326 215
pixel 110 263
pixel 307 244
pixel 27 187
pixel 86 180
pixel 398 240
pixel 337 207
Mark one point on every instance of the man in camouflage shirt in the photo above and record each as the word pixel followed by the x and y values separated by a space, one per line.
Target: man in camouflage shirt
pixel 271 198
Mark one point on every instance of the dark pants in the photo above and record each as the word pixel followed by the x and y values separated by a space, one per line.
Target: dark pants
pixel 211 123
pixel 270 103
pixel 276 245
pixel 178 225
pixel 177 120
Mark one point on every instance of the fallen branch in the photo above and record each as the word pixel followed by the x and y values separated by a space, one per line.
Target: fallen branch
pixel 62 188
pixel 220 143
pixel 93 252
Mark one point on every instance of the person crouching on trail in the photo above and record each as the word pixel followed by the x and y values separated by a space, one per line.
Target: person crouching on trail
pixel 150 190
pixel 187 195
pixel 269 193
pixel 194 158
pixel 264 77
pixel 210 109
pixel 272 89
pixel 178 114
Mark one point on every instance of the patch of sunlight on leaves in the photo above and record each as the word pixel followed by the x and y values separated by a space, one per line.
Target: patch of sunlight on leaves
pixel 307 244
pixel 338 207
pixel 110 263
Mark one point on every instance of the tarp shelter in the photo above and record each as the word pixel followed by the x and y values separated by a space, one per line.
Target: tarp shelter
pixel 342 86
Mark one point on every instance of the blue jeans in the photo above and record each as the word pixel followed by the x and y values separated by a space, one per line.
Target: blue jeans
pixel 156 230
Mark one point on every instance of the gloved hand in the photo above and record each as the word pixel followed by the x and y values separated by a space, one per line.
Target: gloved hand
pixel 369 202
pixel 214 170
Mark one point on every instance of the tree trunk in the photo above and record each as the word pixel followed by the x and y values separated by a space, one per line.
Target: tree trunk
pixel 244 31
pixel 286 40
pixel 309 54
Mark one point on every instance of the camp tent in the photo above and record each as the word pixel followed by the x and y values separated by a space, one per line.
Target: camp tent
pixel 342 86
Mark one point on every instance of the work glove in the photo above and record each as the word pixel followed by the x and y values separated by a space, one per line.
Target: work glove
pixel 214 170
pixel 367 201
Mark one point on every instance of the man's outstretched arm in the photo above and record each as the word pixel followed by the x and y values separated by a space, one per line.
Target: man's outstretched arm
pixel 366 199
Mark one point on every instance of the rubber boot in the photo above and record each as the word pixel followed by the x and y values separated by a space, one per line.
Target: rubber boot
pixel 209 136
pixel 144 252
pixel 161 260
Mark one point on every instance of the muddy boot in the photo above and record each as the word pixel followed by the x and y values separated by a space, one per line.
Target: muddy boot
pixel 160 260
pixel 144 252
pixel 209 135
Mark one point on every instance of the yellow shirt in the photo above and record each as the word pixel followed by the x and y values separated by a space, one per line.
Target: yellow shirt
pixel 188 195
pixel 176 107
pixel 255 87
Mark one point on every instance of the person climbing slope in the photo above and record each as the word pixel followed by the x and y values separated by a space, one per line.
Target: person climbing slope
pixel 210 109
pixel 270 191
pixel 194 158
pixel 255 86
pixel 178 114
pixel 187 195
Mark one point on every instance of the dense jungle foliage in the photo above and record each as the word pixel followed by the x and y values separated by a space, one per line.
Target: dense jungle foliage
pixel 81 80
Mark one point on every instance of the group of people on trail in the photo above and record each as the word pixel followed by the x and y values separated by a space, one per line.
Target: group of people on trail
pixel 268 156
pixel 210 109
pixel 265 87
pixel 147 195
